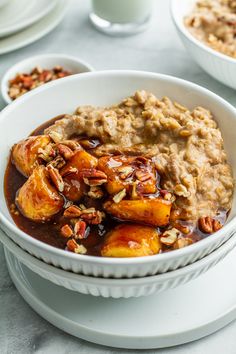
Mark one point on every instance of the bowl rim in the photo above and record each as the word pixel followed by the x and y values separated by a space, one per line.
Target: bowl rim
pixel 27 258
pixel 11 227
pixel 14 69
pixel 180 26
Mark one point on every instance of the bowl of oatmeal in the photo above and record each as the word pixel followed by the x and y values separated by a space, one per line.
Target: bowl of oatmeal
pixel 207 29
pixel 118 183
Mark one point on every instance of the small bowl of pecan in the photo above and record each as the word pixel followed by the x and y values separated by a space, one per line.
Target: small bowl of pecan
pixel 36 71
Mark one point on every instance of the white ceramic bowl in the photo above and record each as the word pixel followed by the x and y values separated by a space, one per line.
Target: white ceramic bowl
pixel 220 66
pixel 104 88
pixel 46 61
pixel 117 288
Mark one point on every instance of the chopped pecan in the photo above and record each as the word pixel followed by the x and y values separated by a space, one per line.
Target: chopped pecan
pixel 93 177
pixel 93 218
pixel 95 192
pixel 183 242
pixel 56 137
pixel 65 151
pixel 72 212
pixel 48 153
pixel 169 236
pixel 205 224
pixel 165 194
pixel 142 175
pixel 119 196
pixel 73 246
pixel 58 162
pixel 56 178
pixel 79 229
pixel 72 144
pixel 125 171
pixel 66 231
pixel 216 225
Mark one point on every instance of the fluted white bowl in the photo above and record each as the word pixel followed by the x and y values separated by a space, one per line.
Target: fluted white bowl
pixel 117 288
pixel 104 88
pixel 218 65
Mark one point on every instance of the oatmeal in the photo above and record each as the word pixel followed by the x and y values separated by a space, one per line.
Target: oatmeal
pixel 214 23
pixel 186 146
pixel 139 178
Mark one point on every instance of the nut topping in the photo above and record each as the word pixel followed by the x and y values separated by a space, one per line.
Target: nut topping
pixel 56 178
pixel 72 212
pixel 73 246
pixel 79 229
pixel 65 151
pixel 93 218
pixel 93 177
pixel 142 175
pixel 66 231
pixel 170 236
pixel 119 196
pixel 205 224
pixel 95 192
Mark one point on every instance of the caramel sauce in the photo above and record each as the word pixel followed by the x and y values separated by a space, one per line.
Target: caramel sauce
pixel 49 232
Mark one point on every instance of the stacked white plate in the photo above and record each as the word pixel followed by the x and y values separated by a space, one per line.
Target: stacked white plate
pixel 23 22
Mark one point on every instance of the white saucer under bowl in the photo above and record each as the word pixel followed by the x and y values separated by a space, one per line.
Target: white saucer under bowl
pixel 35 31
pixel 176 316
pixel 17 15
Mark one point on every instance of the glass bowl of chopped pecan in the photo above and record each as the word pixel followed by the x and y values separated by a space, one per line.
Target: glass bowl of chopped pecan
pixel 207 29
pixel 130 183
pixel 37 71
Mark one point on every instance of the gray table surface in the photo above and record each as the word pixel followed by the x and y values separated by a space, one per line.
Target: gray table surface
pixel 158 49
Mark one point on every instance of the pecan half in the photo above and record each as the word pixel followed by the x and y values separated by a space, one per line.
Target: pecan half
pixel 93 177
pixel 205 224
pixel 56 178
pixel 72 212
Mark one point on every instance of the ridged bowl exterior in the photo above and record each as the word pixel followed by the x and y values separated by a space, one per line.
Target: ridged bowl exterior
pixel 117 288
pixel 219 66
pixel 66 94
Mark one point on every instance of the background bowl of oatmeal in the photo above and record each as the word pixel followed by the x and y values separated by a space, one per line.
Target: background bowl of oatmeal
pixel 220 66
pixel 103 89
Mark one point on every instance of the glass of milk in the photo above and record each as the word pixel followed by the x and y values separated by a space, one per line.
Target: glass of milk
pixel 121 17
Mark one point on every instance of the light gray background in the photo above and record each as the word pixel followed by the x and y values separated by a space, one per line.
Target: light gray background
pixel 22 331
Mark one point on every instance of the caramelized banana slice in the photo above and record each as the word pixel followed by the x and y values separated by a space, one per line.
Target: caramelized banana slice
pixel 74 187
pixel 154 212
pixel 124 171
pixel 25 153
pixel 80 160
pixel 37 199
pixel 131 241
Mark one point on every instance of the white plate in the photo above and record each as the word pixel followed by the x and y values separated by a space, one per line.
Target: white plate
pixel 178 316
pixel 36 31
pixel 18 15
